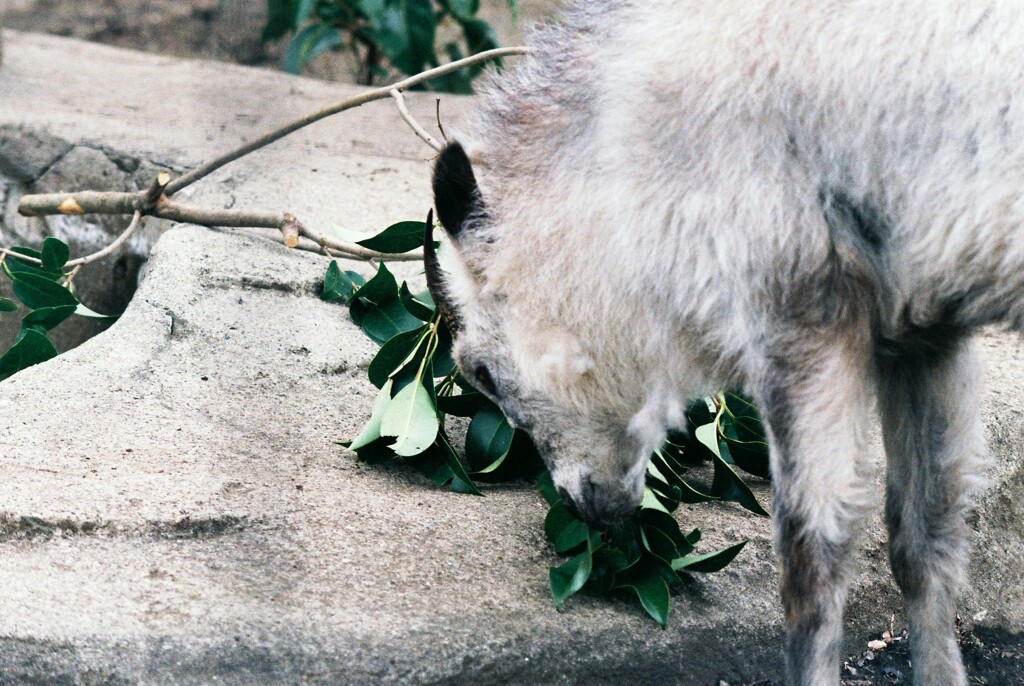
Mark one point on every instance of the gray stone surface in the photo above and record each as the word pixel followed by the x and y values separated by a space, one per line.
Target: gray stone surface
pixel 174 507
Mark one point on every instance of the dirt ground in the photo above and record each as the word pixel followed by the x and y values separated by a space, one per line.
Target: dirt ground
pixel 992 657
pixel 229 30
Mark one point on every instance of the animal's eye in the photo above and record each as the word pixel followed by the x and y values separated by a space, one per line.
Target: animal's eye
pixel 484 381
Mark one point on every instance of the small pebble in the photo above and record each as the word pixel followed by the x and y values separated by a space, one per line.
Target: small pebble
pixel 876 645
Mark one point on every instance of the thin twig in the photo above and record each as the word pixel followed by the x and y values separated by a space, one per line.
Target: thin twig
pixel 94 202
pixel 437 114
pixel 413 124
pixel 356 250
pixel 71 277
pixel 118 242
pixel 347 104
pixel 332 249
pixel 4 252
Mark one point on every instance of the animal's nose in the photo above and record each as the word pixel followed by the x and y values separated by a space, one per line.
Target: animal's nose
pixel 601 507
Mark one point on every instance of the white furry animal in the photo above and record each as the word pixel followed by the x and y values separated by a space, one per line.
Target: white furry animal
pixel 816 200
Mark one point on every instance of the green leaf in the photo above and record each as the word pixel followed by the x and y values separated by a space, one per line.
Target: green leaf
pixel 650 501
pixel 303 9
pixel 405 33
pixel 384 322
pixel 458 82
pixel 379 289
pixel 393 355
pixel 433 465
pixel 397 238
pixel 462 486
pixel 309 42
pixel 12 265
pixel 488 438
pixel 708 562
pixel 522 461
pixel 569 577
pixel 371 431
pixel 461 483
pixel 280 16
pixel 669 527
pixel 563 529
pixel 8 305
pixel 412 418
pixel 546 486
pixel 420 306
pixel 465 404
pixel 339 285
pixel 652 591
pixel 47 317
pixel 444 364
pixel 463 9
pixel 659 544
pixel 740 426
pixel 38 291
pixel 33 348
pixel 374 11
pixel 83 311
pixel 666 467
pixel 376 451
pixel 479 37
pixel 55 254
pixel 726 483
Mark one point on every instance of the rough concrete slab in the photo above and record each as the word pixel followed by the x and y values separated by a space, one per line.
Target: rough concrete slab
pixel 185 514
pixel 153 528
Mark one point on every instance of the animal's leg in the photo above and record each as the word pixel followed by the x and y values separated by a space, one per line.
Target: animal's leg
pixel 817 400
pixel 935 445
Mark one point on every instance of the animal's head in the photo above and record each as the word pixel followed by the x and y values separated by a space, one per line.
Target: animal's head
pixel 548 377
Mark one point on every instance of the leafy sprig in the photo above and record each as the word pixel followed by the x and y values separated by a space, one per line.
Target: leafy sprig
pixel 45 290
pixel 420 388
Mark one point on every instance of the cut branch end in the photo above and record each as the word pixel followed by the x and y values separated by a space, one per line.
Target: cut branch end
pixel 291 229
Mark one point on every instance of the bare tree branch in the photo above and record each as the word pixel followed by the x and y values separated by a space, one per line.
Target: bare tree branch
pixel 4 252
pixel 331 247
pixel 347 104
pixel 155 200
pixel 413 124
pixel 358 251
pixel 118 242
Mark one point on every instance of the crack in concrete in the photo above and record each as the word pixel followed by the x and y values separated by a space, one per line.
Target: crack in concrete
pixel 31 528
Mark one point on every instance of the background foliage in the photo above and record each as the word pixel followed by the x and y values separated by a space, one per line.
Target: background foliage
pixel 420 388
pixel 402 35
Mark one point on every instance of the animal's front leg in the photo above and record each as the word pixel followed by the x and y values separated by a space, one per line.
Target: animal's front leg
pixel 816 399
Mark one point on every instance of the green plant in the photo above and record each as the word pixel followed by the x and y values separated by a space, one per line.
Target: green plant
pixel 41 285
pixel 383 34
pixel 420 387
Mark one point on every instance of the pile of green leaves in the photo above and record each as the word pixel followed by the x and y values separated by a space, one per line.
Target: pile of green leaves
pixel 420 387
pixel 39 288
pixel 400 34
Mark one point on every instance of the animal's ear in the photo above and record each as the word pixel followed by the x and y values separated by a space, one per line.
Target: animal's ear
pixel 456 195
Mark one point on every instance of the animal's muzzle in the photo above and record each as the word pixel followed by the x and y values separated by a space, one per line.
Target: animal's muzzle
pixel 600 506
